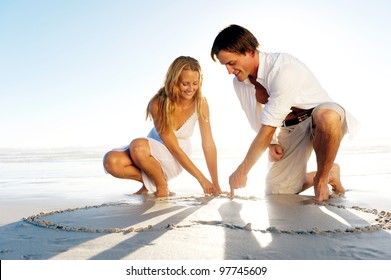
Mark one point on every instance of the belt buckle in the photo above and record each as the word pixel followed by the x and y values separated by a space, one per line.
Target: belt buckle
pixel 302 117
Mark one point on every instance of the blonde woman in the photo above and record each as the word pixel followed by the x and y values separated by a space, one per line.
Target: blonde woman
pixel 165 152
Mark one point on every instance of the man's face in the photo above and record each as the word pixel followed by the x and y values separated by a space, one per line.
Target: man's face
pixel 239 65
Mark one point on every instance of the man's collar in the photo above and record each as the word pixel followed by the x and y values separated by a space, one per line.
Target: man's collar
pixel 261 69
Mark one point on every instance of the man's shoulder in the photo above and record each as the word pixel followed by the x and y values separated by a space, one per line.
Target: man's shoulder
pixel 281 61
pixel 278 56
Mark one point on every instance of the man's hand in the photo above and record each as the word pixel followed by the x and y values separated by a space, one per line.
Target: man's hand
pixel 237 180
pixel 276 152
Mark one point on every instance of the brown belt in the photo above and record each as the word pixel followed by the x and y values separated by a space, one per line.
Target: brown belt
pixel 305 114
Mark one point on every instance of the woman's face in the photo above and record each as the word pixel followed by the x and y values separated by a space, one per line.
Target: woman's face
pixel 188 84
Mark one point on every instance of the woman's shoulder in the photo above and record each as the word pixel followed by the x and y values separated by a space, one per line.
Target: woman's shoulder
pixel 153 105
pixel 203 109
pixel 204 101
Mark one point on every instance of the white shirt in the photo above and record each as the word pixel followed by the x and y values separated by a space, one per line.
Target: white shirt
pixel 289 83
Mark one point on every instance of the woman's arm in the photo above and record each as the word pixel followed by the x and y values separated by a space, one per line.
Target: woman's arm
pixel 171 142
pixel 209 147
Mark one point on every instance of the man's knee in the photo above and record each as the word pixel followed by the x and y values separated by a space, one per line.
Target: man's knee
pixel 324 118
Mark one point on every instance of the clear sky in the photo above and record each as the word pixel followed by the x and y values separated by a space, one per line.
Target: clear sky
pixel 80 72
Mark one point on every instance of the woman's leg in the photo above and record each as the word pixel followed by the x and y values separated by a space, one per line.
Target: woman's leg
pixel 142 158
pixel 120 165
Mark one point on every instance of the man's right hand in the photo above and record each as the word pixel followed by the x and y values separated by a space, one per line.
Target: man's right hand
pixel 237 180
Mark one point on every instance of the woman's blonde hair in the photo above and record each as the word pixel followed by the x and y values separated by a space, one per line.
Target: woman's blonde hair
pixel 168 95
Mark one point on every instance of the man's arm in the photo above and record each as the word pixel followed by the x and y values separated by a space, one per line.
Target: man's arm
pixel 260 143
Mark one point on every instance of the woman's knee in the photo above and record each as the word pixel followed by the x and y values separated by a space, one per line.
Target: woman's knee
pixel 110 161
pixel 114 161
pixel 139 149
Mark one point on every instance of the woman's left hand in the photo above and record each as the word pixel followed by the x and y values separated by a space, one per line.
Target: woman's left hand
pixel 208 187
pixel 216 190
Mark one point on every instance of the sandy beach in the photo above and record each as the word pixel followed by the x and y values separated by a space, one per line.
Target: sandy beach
pixel 75 81
pixel 59 205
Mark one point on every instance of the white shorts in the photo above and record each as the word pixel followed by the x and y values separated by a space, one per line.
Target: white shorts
pixel 288 175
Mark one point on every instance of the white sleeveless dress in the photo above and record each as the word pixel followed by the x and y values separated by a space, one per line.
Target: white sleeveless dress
pixel 170 166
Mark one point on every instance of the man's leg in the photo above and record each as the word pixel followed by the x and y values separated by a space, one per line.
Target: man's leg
pixel 327 134
pixel 334 180
pixel 287 175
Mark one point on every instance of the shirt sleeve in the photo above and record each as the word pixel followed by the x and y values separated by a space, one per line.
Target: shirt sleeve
pixel 283 83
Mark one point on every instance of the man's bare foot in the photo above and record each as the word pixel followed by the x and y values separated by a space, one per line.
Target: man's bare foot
pixel 335 180
pixel 143 190
pixel 322 192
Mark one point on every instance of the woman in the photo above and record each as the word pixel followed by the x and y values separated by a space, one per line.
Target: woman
pixel 164 153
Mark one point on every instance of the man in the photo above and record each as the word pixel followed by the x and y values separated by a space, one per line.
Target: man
pixel 277 91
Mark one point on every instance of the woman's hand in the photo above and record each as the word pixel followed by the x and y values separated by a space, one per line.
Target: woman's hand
pixel 208 187
pixel 217 190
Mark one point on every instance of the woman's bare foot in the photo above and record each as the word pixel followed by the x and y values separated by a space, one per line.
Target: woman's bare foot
pixel 162 191
pixel 143 190
pixel 335 180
